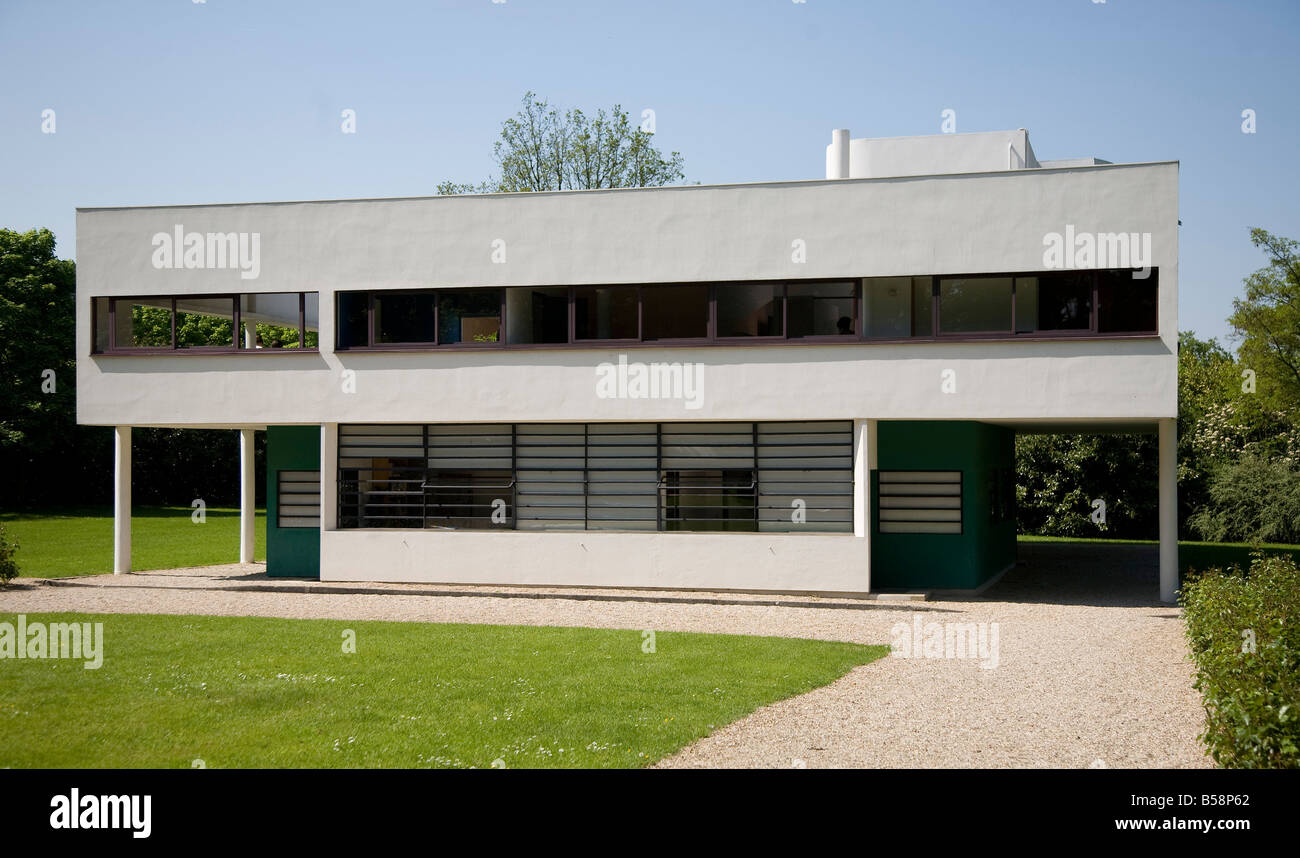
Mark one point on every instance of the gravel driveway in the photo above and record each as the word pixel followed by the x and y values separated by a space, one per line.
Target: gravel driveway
pixel 1090 670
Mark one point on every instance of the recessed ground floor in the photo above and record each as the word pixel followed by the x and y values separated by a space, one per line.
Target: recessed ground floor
pixel 851 507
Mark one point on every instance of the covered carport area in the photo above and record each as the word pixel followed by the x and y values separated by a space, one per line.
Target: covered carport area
pixel 1167 479
pixel 122 493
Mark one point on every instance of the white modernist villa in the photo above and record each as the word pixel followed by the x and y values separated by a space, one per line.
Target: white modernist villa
pixel 804 386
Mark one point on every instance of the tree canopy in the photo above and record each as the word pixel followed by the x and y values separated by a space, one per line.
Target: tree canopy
pixel 1267 320
pixel 542 149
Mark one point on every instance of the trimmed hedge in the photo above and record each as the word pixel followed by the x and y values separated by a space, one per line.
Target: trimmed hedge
pixel 8 566
pixel 1244 631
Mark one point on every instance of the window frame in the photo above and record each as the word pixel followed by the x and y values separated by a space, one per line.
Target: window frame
pixel 611 341
pixel 764 434
pixel 235 348
pixel 709 315
pixel 761 338
pixel 372 332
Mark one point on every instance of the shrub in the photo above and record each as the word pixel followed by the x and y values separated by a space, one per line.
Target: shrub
pixel 8 567
pixel 1252 498
pixel 1244 632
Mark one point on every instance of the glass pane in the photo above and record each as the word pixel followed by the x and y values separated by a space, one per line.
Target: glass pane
pixel 750 310
pixel 821 309
pixel 922 307
pixel 144 323
pixel 352 320
pixel 675 312
pixel 897 307
pixel 311 319
pixel 1054 302
pixel 268 320
pixel 405 317
pixel 709 500
pixel 101 324
pixel 537 315
pixel 975 305
pixel 469 316
pixel 1125 304
pixel 382 492
pixel 605 313
pixel 205 323
pixel 469 499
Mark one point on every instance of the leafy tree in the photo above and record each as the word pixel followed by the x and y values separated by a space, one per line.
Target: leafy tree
pixel 43 453
pixel 1207 381
pixel 541 149
pixel 1267 320
pixel 1059 476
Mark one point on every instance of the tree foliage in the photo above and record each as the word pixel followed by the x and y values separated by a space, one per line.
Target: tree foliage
pixel 1058 477
pixel 1267 319
pixel 43 453
pixel 542 149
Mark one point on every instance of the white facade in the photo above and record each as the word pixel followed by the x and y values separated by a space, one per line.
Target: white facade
pixel 977 218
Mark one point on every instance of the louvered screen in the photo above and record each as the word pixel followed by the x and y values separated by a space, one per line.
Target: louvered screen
pixel 919 502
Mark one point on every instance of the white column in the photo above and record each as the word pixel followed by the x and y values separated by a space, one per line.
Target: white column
pixel 1168 509
pixel 247 497
pixel 329 487
pixel 121 500
pixel 864 462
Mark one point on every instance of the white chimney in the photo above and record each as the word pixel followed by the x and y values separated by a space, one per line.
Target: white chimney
pixel 837 155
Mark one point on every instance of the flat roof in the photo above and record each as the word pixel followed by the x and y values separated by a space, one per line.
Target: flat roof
pixel 727 185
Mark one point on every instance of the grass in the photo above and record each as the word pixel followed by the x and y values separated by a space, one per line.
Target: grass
pixel 57 544
pixel 1191 555
pixel 252 692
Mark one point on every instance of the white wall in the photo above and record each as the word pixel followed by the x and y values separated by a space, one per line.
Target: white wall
pixel 736 561
pixel 937 225
pixel 872 158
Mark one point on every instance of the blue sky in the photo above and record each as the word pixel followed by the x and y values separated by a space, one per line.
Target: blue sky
pixel 174 101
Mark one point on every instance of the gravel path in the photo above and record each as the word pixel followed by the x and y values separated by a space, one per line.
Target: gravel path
pixel 1090 671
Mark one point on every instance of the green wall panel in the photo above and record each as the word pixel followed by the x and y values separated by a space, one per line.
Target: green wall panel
pixel 291 552
pixel 985 455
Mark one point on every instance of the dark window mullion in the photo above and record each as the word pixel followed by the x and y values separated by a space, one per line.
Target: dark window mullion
pixel 302 318
pixel 173 324
pixel 859 302
pixel 370 320
pixel 934 306
pixel 573 318
pixel 659 476
pixel 1095 315
pixel 424 493
pixel 1014 326
pixel 710 330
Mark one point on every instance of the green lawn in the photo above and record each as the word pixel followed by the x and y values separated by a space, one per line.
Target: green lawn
pixel 1191 555
pixel 56 544
pixel 257 692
